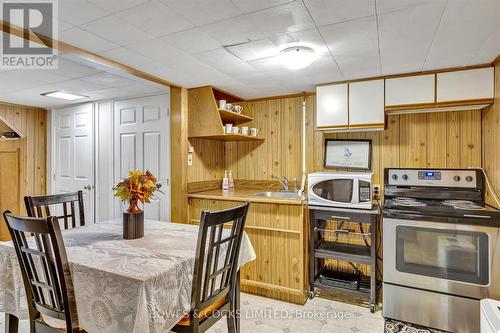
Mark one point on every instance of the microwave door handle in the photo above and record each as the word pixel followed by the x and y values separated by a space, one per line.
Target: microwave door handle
pixel 355 191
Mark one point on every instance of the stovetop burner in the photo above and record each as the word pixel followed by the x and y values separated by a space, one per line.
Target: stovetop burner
pixel 463 205
pixel 408 202
pixel 451 195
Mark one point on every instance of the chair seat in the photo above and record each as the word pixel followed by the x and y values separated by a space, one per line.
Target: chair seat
pixel 204 313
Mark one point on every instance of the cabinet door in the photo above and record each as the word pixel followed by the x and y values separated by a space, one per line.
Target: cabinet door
pixel 331 106
pixel 366 104
pixel 410 90
pixel 465 85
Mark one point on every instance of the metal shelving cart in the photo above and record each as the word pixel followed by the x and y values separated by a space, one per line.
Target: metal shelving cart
pixel 320 248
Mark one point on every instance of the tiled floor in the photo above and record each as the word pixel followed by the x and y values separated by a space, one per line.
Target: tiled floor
pixel 320 315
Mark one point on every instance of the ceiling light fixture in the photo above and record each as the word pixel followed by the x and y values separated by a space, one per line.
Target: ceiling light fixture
pixel 297 57
pixel 64 95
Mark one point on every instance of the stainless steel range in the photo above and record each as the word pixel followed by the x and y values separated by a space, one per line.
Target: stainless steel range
pixel 441 248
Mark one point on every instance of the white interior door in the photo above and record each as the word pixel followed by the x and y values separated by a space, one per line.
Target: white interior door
pixel 142 142
pixel 74 153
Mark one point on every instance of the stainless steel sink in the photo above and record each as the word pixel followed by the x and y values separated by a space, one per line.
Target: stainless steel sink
pixel 279 194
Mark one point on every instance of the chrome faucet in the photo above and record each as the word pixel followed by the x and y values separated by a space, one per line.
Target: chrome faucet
pixel 283 182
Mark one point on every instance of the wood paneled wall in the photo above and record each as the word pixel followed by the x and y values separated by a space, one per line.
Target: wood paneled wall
pixel 491 139
pixel 426 140
pixel 24 168
pixel 280 122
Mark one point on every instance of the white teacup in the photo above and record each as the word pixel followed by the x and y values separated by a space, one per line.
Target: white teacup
pixel 244 130
pixel 254 131
pixel 222 104
pixel 235 130
pixel 229 106
pixel 238 108
pixel 229 128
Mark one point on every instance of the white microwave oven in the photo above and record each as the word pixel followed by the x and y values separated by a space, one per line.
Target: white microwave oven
pixel 348 190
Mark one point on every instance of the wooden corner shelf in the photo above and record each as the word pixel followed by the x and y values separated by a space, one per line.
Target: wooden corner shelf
pixel 9 139
pixel 233 118
pixel 231 137
pixel 207 120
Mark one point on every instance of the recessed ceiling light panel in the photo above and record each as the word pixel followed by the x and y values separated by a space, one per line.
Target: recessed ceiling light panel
pixel 64 95
pixel 297 57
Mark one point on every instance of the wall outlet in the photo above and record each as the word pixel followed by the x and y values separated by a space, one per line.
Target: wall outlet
pixel 376 192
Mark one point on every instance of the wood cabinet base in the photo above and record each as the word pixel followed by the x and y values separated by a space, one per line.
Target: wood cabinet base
pixel 278 233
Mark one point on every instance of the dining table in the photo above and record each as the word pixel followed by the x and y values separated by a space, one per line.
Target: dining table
pixel 140 285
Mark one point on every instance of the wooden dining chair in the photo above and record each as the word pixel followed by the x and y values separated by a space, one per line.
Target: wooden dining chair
pixel 45 270
pixel 215 289
pixel 40 206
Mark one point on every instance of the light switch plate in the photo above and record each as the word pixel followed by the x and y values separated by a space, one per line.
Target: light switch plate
pixel 190 159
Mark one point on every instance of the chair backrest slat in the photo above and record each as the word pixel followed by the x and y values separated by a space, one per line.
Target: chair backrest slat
pixel 37 206
pixel 217 252
pixel 48 282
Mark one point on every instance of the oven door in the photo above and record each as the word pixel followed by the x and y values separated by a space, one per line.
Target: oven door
pixel 450 258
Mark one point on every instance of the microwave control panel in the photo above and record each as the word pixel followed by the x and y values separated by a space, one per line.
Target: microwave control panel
pixel 438 178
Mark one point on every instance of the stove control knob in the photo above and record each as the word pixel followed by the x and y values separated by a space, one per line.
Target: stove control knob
pixel 394 176
pixel 456 178
pixel 469 178
pixel 405 177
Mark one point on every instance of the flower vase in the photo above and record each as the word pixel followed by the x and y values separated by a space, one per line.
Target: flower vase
pixel 133 221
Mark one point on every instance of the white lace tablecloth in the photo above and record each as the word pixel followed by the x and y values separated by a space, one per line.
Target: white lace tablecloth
pixel 141 285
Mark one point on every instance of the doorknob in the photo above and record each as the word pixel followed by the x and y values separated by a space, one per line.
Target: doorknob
pixel 88 187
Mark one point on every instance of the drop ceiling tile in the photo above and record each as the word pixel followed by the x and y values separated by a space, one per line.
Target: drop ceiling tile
pixel 156 49
pixel 155 18
pixel 201 12
pixel 310 37
pixel 290 17
pixel 77 86
pixel 387 6
pixel 71 69
pixel 465 28
pixel 254 50
pixel 191 41
pixel 406 36
pixel 240 29
pixel 489 51
pixel 107 80
pixel 247 6
pixel 224 61
pixel 126 56
pixel 326 12
pixel 115 30
pixel 86 40
pixel 77 12
pixel 354 45
pixel 114 6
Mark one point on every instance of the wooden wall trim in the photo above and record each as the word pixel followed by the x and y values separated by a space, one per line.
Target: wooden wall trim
pixel 80 53
pixel 178 151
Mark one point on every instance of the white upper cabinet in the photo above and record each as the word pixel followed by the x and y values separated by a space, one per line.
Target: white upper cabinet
pixel 366 104
pixel 410 90
pixel 465 85
pixel 331 106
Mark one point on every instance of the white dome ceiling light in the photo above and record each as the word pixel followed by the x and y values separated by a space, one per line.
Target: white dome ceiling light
pixel 297 57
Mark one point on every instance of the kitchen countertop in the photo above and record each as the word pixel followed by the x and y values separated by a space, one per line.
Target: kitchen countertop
pixel 242 194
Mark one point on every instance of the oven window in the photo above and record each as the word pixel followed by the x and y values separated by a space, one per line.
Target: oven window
pixel 448 254
pixel 339 190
